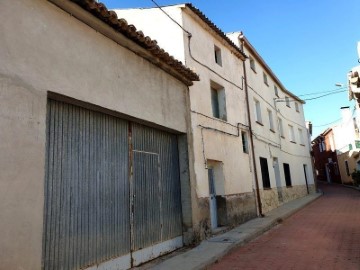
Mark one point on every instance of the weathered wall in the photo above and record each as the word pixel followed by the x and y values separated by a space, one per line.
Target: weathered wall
pixel 270 143
pixel 209 141
pixel 45 49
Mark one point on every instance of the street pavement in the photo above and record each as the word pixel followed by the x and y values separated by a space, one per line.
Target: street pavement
pixel 323 235
pixel 216 247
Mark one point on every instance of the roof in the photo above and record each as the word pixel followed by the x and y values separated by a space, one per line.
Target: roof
pixel 238 52
pixel 266 67
pixel 121 26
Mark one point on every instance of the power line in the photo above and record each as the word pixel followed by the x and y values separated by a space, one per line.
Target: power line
pixel 323 92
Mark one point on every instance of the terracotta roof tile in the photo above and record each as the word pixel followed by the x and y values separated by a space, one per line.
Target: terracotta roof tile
pixel 100 11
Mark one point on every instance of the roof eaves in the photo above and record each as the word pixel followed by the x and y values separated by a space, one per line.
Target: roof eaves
pixel 266 67
pixel 110 18
pixel 238 52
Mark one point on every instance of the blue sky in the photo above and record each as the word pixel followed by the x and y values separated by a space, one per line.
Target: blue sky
pixel 309 44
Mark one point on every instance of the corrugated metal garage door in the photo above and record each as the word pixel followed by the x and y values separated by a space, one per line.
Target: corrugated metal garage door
pixel 94 209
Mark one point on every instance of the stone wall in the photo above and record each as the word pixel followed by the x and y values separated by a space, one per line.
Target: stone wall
pixel 271 199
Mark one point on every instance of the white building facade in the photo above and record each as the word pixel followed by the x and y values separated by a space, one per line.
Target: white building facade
pixel 222 173
pixel 281 142
pixel 94 126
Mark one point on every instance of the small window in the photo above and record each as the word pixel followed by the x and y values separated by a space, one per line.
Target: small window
pixel 265 79
pixel 218 102
pixel 287 174
pixel 276 91
pixel 347 168
pixel 244 142
pixel 297 107
pixel 271 121
pixel 301 136
pixel 287 101
pixel 281 128
pixel 252 63
pixel 217 53
pixel 258 118
pixel 291 134
pixel 265 172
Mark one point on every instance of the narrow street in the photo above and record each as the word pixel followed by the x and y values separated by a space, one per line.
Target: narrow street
pixel 323 235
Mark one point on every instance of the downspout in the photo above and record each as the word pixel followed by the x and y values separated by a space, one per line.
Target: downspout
pixel 258 199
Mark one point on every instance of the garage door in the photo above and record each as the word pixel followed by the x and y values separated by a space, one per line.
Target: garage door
pixel 112 191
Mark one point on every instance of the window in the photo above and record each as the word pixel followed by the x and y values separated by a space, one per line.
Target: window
pixel 252 63
pixel 291 134
pixel 217 53
pixel 322 146
pixel 257 112
pixel 271 121
pixel 287 101
pixel 287 174
pixel 244 142
pixel 347 168
pixel 301 136
pixel 265 78
pixel 218 102
pixel 265 173
pixel 276 91
pixel 297 106
pixel 281 128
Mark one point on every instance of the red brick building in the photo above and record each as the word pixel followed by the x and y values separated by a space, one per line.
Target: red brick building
pixel 325 158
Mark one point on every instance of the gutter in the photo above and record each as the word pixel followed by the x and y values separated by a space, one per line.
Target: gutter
pixel 258 199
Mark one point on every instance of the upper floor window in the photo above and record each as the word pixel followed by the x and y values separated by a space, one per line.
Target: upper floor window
pixel 258 118
pixel 265 79
pixel 297 106
pixel 217 53
pixel 281 128
pixel 287 101
pixel 276 91
pixel 301 136
pixel 291 134
pixel 244 142
pixel 252 64
pixel 271 121
pixel 218 101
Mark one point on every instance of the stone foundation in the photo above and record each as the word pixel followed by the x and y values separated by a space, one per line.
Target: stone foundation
pixel 232 210
pixel 273 198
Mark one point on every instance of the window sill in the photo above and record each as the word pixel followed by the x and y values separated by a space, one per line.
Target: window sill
pixel 293 142
pixel 273 131
pixel 266 84
pixel 261 124
pixel 288 106
pixel 253 70
pixel 283 137
pixel 266 188
pixel 289 186
pixel 302 144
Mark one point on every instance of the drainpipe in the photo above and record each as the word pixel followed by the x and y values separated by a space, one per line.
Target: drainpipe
pixel 258 199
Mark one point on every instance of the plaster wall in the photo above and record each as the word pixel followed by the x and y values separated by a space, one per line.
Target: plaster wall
pixel 213 139
pixel 271 143
pixel 45 49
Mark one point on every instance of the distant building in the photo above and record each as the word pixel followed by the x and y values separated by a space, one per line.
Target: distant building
pixel 325 157
pixel 336 150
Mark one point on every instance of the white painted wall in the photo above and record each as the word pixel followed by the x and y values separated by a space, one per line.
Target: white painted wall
pixel 270 144
pixel 45 49
pixel 207 144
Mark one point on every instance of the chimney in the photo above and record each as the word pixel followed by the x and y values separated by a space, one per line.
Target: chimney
pixel 345 114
